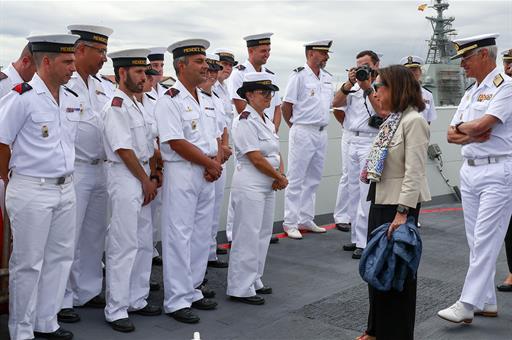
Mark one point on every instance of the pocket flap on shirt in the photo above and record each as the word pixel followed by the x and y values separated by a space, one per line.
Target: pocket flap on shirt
pixel 41 117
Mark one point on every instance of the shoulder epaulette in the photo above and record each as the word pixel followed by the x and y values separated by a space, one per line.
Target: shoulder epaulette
pixel 165 86
pixel 327 72
pixel 71 91
pixel 244 115
pixel 107 79
pixel 3 76
pixel 172 92
pixel 117 102
pixel 240 67
pixel 216 95
pixel 298 69
pixel 498 80
pixel 22 88
pixel 206 93
pixel 96 77
pixel 470 86
pixel 268 71
pixel 150 96
pixel 426 89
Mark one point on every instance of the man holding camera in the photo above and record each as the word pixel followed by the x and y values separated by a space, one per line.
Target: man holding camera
pixel 361 116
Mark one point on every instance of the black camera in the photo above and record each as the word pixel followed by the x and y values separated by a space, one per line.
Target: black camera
pixel 375 121
pixel 363 72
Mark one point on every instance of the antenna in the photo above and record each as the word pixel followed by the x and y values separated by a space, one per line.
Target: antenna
pixel 440 47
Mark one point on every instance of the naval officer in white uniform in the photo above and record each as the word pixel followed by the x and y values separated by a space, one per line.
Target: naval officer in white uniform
pixel 189 146
pixel 306 104
pixel 258 49
pixel 129 244
pixel 39 121
pixel 22 70
pixel 482 124
pixel 414 64
pixel 156 60
pixel 90 180
pixel 258 172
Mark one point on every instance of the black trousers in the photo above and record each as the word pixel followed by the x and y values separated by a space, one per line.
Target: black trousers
pixel 508 246
pixel 392 314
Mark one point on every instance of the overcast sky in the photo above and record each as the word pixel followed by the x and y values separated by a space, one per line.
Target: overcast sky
pixel 393 28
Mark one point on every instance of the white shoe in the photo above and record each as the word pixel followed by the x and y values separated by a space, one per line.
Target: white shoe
pixel 294 233
pixel 312 227
pixel 489 311
pixel 456 313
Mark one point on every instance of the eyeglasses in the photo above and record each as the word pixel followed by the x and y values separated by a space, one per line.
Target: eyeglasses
pixel 102 51
pixel 466 58
pixel 376 86
pixel 266 93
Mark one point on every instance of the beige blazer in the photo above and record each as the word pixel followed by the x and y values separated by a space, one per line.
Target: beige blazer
pixel 403 179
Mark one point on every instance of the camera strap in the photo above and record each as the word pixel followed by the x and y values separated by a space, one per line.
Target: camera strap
pixel 366 105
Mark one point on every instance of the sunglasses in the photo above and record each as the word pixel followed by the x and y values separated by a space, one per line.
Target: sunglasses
pixel 266 93
pixel 376 86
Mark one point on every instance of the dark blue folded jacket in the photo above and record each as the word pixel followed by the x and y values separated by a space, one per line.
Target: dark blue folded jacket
pixel 385 264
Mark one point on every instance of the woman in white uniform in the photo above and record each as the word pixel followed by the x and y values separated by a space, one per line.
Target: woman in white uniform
pixel 258 173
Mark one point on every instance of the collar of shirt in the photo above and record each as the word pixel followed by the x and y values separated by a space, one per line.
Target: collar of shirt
pixel 488 80
pixel 256 117
pixel 184 93
pixel 127 100
pixel 13 74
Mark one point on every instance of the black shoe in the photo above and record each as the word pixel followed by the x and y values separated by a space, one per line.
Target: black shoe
pixel 251 300
pixel 207 292
pixel 505 287
pixel 122 325
pixel 148 310
pixel 204 304
pixel 221 251
pixel 154 286
pixel 157 261
pixel 264 290
pixel 349 247
pixel 356 255
pixel 96 302
pixel 184 315
pixel 274 240
pixel 59 334
pixel 345 227
pixel 68 315
pixel 217 264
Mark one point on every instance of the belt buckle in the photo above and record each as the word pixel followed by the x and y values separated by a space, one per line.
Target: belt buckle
pixel 471 162
pixel 61 180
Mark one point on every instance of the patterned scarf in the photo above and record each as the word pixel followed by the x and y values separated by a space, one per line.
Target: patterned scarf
pixel 372 170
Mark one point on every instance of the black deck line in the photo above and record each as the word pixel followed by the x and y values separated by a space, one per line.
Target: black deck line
pixel 318 294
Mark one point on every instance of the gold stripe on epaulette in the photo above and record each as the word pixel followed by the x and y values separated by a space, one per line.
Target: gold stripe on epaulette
pixel 498 80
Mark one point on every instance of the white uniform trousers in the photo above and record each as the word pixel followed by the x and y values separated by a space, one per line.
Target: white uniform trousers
pixel 346 204
pixel 86 277
pixel 358 152
pixel 43 218
pixel 229 217
pixel 156 210
pixel 306 154
pixel 219 197
pixel 129 244
pixel 487 202
pixel 186 232
pixel 252 230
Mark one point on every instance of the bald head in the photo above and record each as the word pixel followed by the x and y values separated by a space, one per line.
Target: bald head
pixel 25 64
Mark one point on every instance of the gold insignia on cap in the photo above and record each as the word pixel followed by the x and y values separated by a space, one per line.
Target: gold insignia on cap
pixel 498 80
pixel 100 39
pixel 225 54
pixel 193 49
pixel 409 59
pixel 264 82
pixel 67 49
pixel 139 62
pixel 265 41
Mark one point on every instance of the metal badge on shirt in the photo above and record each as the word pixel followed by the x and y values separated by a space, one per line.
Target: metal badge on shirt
pixel 44 131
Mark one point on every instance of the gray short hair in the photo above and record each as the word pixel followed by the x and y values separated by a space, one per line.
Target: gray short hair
pixel 176 61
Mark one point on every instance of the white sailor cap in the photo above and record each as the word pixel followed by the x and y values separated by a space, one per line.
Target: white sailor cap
pixel 465 45
pixel 507 55
pixel 412 61
pixel 258 39
pixel 256 81
pixel 213 62
pixel 319 45
pixel 156 53
pixel 131 57
pixel 56 43
pixel 98 34
pixel 226 55
pixel 188 47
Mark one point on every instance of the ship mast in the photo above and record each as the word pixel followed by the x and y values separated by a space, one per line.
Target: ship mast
pixel 440 47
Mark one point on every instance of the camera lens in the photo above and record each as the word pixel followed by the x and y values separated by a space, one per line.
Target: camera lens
pixel 363 73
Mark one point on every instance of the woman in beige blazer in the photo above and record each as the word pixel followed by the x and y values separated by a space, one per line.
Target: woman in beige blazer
pixel 396 172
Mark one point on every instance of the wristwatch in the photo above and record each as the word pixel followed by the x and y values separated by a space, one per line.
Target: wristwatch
pixel 402 209
pixel 457 127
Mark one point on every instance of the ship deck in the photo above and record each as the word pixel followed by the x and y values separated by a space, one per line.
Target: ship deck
pixel 318 293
